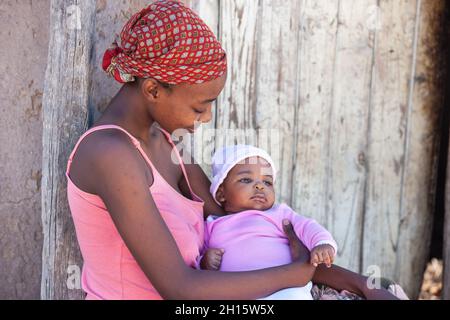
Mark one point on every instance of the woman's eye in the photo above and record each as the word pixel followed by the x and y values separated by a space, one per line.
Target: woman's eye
pixel 198 111
pixel 268 183
pixel 245 180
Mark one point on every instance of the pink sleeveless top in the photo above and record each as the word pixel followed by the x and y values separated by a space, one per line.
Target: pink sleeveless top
pixel 110 270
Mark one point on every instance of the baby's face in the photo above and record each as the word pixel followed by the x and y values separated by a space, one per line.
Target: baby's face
pixel 248 186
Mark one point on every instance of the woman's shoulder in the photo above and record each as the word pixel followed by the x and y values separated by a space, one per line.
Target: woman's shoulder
pixel 104 143
pixel 103 151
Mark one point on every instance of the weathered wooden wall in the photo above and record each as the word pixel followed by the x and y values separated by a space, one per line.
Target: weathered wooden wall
pixel 350 87
pixel 347 86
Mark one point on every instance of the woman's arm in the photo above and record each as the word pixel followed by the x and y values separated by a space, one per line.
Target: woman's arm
pixel 336 277
pixel 343 279
pixel 122 185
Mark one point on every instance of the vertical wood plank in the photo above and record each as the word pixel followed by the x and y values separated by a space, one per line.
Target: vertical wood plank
pixel 318 28
pixel 394 175
pixel 394 45
pixel 419 176
pixel 65 118
pixel 348 127
pixel 239 36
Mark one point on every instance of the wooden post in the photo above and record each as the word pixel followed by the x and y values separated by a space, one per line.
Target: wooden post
pixel 65 118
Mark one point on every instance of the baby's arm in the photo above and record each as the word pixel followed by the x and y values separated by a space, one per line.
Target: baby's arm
pixel 323 253
pixel 210 258
pixel 316 238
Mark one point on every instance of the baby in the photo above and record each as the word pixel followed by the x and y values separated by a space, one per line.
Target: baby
pixel 250 236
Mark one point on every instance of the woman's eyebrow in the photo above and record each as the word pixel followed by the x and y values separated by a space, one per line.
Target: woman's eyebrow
pixel 209 100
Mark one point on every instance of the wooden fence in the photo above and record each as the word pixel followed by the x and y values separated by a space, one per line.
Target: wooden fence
pixel 349 87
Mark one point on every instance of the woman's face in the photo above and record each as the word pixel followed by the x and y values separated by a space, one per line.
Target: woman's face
pixel 248 186
pixel 182 105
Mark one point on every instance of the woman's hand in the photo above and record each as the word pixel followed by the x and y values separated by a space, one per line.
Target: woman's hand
pixel 335 277
pixel 341 279
pixel 298 250
pixel 299 253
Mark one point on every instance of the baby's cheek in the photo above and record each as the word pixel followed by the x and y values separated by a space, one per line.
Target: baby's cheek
pixel 271 197
pixel 237 199
pixel 243 193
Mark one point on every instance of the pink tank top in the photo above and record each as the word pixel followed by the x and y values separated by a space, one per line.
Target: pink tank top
pixel 110 270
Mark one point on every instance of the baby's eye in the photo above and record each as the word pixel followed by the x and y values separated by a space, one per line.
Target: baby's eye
pixel 245 180
pixel 198 111
pixel 268 183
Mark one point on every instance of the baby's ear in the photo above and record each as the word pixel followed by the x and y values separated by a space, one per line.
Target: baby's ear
pixel 220 196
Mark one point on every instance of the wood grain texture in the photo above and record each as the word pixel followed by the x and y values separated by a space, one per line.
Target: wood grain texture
pixel 238 25
pixel 315 87
pixel 421 150
pixel 338 80
pixel 65 118
pixel 387 134
pixel 347 129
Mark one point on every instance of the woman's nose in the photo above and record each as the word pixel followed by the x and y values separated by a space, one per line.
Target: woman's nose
pixel 206 116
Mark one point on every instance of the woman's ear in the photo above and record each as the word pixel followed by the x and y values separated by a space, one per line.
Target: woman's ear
pixel 220 194
pixel 150 89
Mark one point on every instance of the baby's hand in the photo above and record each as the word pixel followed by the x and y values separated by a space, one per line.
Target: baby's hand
pixel 323 253
pixel 212 259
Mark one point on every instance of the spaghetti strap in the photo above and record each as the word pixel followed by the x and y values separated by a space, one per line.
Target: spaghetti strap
pixel 180 160
pixel 136 142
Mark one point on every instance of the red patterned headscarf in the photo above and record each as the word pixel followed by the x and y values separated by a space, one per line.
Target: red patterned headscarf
pixel 168 42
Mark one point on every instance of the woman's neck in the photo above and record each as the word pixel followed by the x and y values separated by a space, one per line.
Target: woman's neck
pixel 128 111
